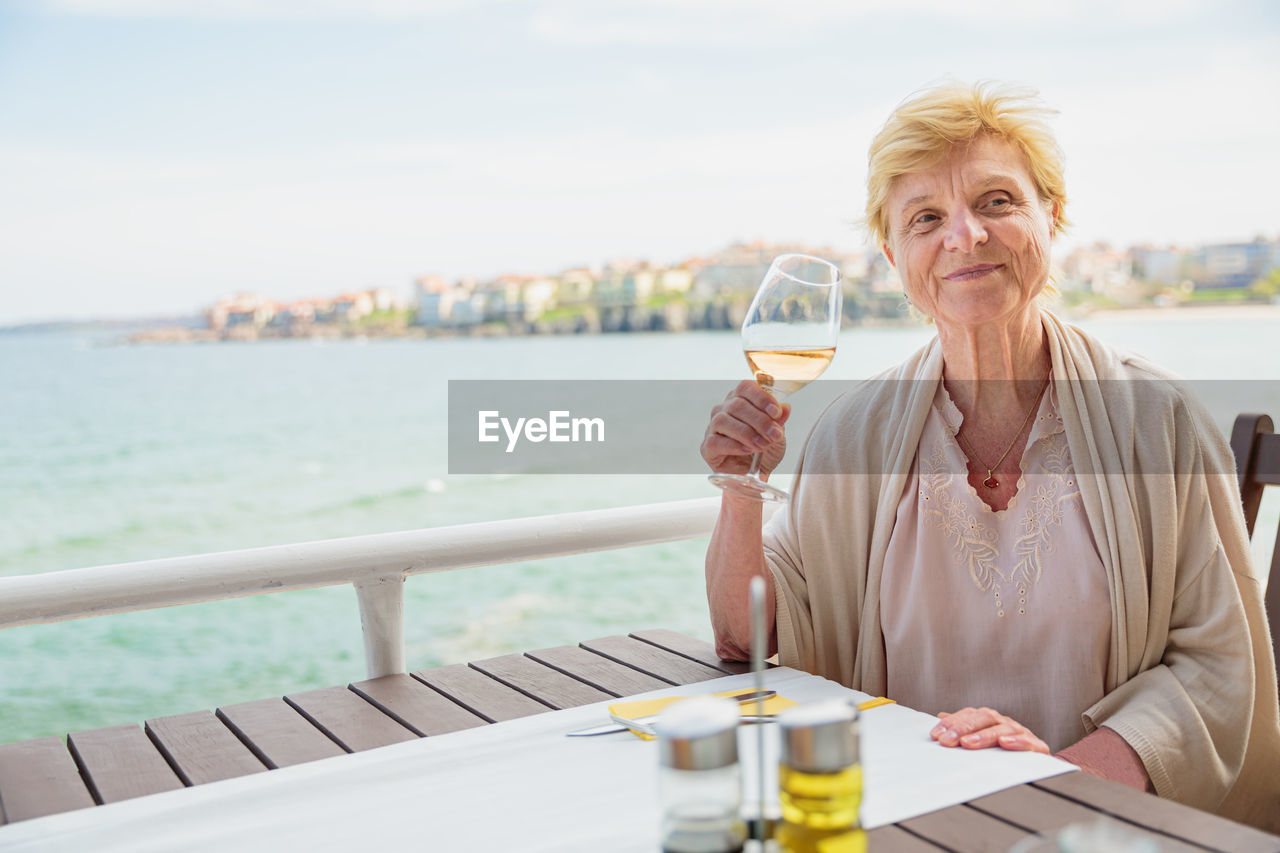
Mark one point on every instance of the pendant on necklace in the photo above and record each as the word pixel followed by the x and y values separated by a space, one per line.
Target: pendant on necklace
pixel 991 482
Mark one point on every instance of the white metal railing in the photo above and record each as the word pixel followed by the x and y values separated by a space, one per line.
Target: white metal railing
pixel 376 565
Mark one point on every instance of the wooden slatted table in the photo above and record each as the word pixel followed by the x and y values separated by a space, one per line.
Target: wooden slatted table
pixel 43 776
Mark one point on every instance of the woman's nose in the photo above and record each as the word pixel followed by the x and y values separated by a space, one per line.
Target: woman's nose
pixel 964 231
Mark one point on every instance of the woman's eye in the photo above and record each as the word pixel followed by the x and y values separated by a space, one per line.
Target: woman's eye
pixel 925 219
pixel 997 203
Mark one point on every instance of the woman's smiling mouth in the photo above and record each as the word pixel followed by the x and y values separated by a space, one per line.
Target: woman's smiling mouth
pixel 971 272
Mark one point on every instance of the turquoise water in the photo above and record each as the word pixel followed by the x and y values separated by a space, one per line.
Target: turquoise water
pixel 118 453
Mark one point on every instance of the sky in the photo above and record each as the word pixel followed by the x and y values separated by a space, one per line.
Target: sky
pixel 158 154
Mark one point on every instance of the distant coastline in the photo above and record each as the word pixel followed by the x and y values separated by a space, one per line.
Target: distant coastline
pixel 710 292
pixel 175 330
pixel 674 318
pixel 1226 311
pixel 115 324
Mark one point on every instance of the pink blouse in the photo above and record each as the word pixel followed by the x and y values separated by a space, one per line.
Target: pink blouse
pixel 1009 609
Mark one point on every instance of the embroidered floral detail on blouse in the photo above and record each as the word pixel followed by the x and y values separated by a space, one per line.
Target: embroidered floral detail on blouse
pixel 1055 485
pixel 947 502
pixel 973 542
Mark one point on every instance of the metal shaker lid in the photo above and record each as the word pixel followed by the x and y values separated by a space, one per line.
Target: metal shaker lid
pixel 820 738
pixel 699 733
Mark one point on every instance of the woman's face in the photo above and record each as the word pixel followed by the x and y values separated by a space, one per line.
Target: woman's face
pixel 970 236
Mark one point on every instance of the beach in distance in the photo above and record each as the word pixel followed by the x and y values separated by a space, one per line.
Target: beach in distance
pixel 121 453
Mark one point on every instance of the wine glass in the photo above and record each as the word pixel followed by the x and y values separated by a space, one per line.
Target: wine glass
pixel 789 336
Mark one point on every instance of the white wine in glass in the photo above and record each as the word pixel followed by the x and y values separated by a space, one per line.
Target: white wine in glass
pixel 789 337
pixel 786 371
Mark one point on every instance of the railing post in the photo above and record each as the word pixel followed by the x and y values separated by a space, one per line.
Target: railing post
pixel 381 602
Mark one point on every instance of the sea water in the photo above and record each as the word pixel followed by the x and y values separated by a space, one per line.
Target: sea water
pixel 114 453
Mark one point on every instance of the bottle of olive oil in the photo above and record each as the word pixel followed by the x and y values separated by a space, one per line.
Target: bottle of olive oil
pixel 820 779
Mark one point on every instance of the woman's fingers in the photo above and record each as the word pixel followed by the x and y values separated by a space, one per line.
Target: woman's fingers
pixel 719 446
pixel 1024 743
pixel 952 727
pixel 983 728
pixel 991 735
pixel 727 437
pixel 764 429
pixel 758 397
pixel 749 421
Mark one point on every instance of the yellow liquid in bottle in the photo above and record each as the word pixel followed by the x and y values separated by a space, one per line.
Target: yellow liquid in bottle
pixel 820 811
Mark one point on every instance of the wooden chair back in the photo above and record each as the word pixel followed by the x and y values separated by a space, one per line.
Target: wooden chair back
pixel 1257 450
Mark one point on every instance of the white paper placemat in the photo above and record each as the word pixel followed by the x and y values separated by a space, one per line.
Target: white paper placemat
pixel 519 785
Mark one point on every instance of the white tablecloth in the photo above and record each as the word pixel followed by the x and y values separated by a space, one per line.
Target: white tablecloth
pixel 519 785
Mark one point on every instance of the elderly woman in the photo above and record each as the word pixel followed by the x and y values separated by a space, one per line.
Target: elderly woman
pixel 996 531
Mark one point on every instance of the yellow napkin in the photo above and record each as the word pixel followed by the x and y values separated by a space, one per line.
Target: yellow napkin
pixel 648 707
pixel 773 705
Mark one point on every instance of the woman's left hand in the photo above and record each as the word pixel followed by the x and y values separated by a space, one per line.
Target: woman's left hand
pixel 982 728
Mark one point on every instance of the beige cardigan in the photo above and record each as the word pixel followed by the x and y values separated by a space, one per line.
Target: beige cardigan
pixel 1191 681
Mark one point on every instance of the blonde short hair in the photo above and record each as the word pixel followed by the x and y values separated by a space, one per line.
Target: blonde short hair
pixel 922 129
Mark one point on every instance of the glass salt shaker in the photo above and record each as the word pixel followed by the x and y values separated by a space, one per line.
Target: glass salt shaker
pixel 699 779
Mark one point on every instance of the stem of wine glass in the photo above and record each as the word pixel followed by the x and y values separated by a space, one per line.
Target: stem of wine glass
pixel 754 470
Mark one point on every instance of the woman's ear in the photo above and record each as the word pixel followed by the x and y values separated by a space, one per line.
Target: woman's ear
pixel 888 253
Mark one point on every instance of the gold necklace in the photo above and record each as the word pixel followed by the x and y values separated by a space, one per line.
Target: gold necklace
pixel 991 482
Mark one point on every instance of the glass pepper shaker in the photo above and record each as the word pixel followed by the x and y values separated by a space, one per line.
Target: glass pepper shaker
pixel 699 779
pixel 820 779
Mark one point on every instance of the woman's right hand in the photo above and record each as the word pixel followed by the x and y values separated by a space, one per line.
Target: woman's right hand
pixel 749 421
